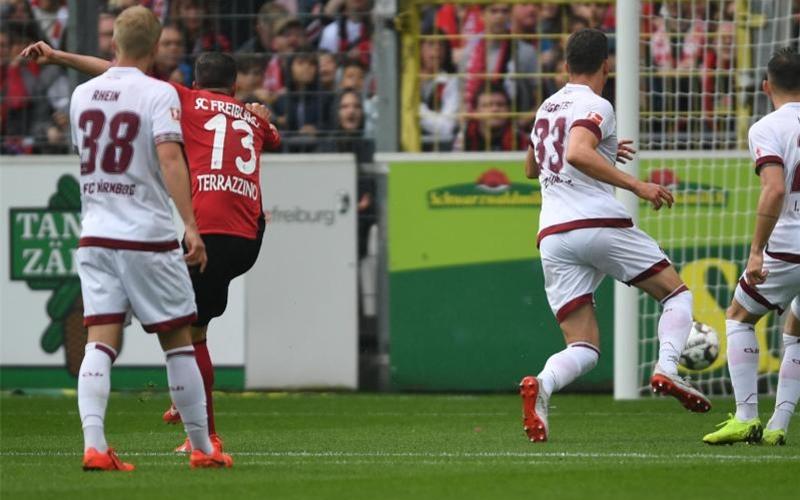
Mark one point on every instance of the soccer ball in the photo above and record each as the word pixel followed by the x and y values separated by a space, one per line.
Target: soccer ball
pixel 702 347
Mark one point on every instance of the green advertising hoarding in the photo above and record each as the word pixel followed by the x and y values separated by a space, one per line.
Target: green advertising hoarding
pixel 468 309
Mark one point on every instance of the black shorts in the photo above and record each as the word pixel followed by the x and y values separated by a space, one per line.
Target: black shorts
pixel 228 257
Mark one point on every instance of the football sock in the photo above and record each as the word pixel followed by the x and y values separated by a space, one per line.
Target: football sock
pixel 788 384
pixel 207 372
pixel 186 390
pixel 565 366
pixel 673 328
pixel 94 385
pixel 743 367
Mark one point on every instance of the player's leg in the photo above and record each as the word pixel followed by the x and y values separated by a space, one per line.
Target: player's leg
pixel 163 300
pixel 569 284
pixel 749 304
pixel 105 307
pixel 788 379
pixel 633 257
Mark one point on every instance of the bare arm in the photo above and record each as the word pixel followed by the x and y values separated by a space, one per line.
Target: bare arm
pixel 44 54
pixel 769 208
pixel 531 167
pixel 582 154
pixel 176 177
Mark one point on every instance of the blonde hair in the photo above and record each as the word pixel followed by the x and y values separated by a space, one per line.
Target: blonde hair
pixel 136 32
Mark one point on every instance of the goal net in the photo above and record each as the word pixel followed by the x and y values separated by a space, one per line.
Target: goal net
pixel 702 64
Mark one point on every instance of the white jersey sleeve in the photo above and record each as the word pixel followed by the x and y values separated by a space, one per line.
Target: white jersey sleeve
pixel 764 145
pixel 775 140
pixel 597 115
pixel 167 117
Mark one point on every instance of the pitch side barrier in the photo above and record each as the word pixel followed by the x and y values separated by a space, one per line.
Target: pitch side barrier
pixel 290 323
pixel 465 288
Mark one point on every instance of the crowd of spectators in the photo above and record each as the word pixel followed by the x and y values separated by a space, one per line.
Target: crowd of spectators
pixel 484 68
pixel 308 60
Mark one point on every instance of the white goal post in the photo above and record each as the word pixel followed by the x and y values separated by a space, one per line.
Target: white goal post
pixel 688 78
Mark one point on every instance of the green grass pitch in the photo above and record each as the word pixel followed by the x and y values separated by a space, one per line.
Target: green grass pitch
pixel 341 446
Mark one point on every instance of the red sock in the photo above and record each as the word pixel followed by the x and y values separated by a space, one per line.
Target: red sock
pixel 207 371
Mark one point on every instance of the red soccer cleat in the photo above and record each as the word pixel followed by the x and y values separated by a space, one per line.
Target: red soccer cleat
pixel 94 460
pixel 668 384
pixel 171 416
pixel 535 425
pixel 186 447
pixel 217 459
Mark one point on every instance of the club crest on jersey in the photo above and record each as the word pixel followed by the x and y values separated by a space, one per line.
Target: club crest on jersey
pixel 597 118
pixel 176 114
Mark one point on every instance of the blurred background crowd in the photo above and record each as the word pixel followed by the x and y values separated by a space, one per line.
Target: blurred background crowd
pixel 483 69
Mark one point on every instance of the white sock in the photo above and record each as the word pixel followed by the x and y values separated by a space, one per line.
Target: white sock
pixel 565 366
pixel 188 395
pixel 788 384
pixel 743 367
pixel 673 328
pixel 94 385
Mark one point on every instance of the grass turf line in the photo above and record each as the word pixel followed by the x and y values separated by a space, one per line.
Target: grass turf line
pixel 390 447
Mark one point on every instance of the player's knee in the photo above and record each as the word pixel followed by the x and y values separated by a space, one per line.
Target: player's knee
pixel 737 312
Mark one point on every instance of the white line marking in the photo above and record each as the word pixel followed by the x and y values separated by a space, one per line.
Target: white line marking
pixel 448 455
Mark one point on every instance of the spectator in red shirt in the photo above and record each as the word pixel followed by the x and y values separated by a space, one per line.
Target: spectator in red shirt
pixel 351 34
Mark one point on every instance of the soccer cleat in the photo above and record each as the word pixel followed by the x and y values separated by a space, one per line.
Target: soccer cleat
pixel 186 447
pixel 534 409
pixel 217 459
pixel 94 460
pixel 674 385
pixel 171 416
pixel 774 437
pixel 734 430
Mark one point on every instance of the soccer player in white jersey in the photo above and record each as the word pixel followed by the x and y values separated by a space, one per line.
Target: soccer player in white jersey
pixel 126 128
pixel 585 234
pixel 771 281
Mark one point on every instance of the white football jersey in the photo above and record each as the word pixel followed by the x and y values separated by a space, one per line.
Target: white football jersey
pixel 117 119
pixel 570 198
pixel 776 139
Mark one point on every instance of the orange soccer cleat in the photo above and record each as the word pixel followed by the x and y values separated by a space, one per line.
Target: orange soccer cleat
pixel 186 447
pixel 534 423
pixel 674 385
pixel 217 459
pixel 95 460
pixel 171 416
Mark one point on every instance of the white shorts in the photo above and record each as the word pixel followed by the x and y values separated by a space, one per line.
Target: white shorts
pixel 781 286
pixel 154 285
pixel 575 263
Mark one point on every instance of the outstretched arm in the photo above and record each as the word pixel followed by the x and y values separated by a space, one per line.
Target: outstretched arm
pixel 582 154
pixel 45 54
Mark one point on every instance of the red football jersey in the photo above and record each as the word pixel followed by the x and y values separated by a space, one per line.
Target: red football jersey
pixel 223 143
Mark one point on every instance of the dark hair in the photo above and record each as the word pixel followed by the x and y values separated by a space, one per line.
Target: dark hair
pixel 214 70
pixel 247 63
pixel 783 70
pixel 493 88
pixel 349 62
pixel 447 52
pixel 586 51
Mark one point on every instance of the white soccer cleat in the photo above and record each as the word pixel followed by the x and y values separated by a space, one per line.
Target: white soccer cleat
pixel 669 384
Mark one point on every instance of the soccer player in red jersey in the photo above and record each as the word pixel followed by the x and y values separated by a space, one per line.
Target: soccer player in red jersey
pixel 223 140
